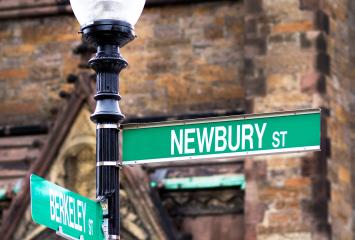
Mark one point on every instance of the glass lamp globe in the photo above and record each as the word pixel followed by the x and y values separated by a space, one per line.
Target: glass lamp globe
pixel 89 11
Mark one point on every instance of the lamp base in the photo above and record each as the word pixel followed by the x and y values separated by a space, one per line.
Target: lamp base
pixel 108 31
pixel 108 36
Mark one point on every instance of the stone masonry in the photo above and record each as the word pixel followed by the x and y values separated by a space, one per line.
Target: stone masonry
pixel 285 65
pixel 36 57
pixel 304 52
pixel 185 60
pixel 340 125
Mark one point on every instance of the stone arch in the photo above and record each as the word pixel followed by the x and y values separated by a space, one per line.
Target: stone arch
pixel 79 169
pixel 74 167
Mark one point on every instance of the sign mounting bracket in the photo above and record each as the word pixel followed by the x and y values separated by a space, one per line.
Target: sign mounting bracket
pixel 109 163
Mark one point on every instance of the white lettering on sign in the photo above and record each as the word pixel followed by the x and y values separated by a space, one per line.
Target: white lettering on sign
pixel 176 141
pixel 189 140
pixel 220 142
pixel 205 141
pixel 230 138
pixel 225 138
pixel 260 134
pixel 66 210
pixel 276 139
pixel 91 228
pixel 247 128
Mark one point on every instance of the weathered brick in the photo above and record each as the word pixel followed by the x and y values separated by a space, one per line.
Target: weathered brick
pixel 228 92
pixel 293 27
pixel 13 73
pixel 273 193
pixel 25 108
pixel 250 25
pixel 344 175
pixel 297 183
pixel 310 82
pixel 255 86
pixel 213 31
pixel 259 44
pixel 284 217
pixel 253 6
pixel 282 164
pixel 18 51
pixel 309 4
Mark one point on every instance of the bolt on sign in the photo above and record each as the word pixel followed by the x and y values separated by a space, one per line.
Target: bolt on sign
pixel 71 215
pixel 232 136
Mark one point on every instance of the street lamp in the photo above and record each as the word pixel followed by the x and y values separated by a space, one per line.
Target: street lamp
pixel 109 25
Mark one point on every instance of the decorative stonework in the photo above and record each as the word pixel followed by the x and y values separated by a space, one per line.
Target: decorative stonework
pixel 76 159
pixel 204 202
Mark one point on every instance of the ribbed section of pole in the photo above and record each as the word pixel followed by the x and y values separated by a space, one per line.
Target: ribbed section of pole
pixel 108 63
pixel 107 153
pixel 107 177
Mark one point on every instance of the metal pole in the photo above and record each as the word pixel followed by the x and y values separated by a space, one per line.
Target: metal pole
pixel 107 63
pixel 108 36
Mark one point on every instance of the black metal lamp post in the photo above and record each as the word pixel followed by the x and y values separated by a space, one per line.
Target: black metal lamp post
pixel 109 25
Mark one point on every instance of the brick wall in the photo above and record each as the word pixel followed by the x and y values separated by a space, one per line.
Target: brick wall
pixel 341 100
pixel 187 59
pixel 35 59
pixel 305 55
pixel 286 63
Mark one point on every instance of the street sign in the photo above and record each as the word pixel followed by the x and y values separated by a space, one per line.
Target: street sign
pixel 232 136
pixel 71 215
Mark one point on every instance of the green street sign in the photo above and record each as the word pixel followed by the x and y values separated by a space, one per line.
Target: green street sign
pixel 71 215
pixel 243 135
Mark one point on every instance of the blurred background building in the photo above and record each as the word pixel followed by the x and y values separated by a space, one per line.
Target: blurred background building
pixel 192 59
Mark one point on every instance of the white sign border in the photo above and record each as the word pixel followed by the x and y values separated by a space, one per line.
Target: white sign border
pixel 226 155
pixel 218 119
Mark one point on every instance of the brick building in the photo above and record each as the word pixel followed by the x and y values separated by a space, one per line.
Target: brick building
pixel 192 59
